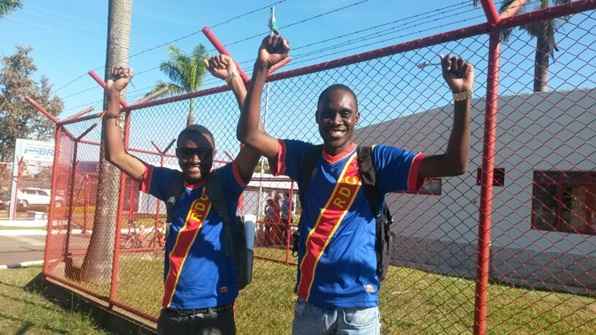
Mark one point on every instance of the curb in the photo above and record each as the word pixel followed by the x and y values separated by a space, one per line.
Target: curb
pixel 21 265
pixel 22 232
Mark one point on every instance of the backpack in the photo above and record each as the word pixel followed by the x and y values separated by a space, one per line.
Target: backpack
pixel 383 218
pixel 238 236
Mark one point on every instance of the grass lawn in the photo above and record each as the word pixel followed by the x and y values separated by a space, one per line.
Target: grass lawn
pixel 24 311
pixel 412 301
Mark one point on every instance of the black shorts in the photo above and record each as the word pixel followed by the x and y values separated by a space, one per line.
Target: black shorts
pixel 206 321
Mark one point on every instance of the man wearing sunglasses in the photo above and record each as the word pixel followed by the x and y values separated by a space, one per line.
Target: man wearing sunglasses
pixel 199 280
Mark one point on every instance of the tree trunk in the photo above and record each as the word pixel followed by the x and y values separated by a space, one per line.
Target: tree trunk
pixel 97 266
pixel 189 118
pixel 541 64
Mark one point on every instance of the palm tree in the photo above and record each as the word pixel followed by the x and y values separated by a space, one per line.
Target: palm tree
pixel 546 44
pixel 186 73
pixel 97 264
pixel 544 32
pixel 9 5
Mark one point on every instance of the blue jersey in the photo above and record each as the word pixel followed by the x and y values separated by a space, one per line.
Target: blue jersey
pixel 337 261
pixel 197 272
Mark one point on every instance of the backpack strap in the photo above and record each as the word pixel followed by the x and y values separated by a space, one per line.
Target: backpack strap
pixel 308 169
pixel 369 178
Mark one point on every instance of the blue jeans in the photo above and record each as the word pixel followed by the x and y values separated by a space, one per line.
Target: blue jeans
pixel 312 320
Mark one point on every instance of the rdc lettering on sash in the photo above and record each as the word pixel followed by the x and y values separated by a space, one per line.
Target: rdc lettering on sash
pixel 198 208
pixel 345 191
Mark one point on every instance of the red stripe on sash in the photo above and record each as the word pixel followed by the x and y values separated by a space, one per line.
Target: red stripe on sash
pixel 199 210
pixel 329 220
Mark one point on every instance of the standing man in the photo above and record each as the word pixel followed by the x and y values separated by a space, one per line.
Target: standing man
pixel 337 282
pixel 200 285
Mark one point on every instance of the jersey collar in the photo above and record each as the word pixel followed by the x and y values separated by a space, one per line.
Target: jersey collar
pixel 332 159
pixel 196 185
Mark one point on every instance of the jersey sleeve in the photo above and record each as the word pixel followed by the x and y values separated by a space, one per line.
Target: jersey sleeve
pixel 397 170
pixel 289 158
pixel 158 181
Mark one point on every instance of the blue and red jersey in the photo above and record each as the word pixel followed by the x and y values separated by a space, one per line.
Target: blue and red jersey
pixel 197 272
pixel 337 261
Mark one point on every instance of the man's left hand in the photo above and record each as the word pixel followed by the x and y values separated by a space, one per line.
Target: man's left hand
pixel 458 74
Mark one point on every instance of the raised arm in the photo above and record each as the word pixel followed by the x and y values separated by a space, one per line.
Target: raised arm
pixel 223 67
pixel 273 50
pixel 459 75
pixel 111 132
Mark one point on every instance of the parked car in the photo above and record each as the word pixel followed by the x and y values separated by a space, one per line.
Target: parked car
pixel 33 197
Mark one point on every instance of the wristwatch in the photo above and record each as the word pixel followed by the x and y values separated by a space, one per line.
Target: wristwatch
pixel 462 96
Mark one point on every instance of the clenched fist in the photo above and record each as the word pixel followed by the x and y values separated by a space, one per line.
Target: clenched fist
pixel 222 67
pixel 274 49
pixel 458 74
pixel 119 78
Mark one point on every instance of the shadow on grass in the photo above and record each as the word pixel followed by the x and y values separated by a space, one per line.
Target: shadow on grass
pixel 26 325
pixel 72 302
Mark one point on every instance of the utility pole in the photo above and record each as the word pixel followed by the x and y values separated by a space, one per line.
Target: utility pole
pixel 97 265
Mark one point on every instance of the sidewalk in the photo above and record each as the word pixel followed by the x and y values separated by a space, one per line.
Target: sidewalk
pixel 23 223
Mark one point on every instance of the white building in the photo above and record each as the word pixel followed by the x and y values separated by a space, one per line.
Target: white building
pixel 544 217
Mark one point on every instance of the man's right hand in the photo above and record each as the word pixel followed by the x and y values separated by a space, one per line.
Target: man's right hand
pixel 222 67
pixel 273 49
pixel 119 78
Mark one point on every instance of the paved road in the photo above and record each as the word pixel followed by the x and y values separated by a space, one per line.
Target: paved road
pixel 17 249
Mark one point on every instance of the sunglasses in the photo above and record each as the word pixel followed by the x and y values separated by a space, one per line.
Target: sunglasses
pixel 187 153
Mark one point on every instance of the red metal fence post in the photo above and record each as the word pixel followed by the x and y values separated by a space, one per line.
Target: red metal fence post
pixel 121 193
pixel 491 12
pixel 486 193
pixel 85 203
pixel 51 210
pixel 73 175
pixel 222 50
pixel 102 83
pixel 42 110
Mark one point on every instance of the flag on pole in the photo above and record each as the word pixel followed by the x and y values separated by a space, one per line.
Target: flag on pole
pixel 273 22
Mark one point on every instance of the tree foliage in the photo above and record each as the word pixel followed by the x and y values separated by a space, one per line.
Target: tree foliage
pixel 544 31
pixel 7 6
pixel 18 119
pixel 185 72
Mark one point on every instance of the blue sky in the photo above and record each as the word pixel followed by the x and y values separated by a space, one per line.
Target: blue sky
pixel 69 37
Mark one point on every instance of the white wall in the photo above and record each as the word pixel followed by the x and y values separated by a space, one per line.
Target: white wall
pixel 545 131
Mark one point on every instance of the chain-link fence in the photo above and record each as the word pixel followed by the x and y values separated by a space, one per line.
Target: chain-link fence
pixel 540 208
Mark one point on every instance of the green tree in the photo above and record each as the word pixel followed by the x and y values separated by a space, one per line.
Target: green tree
pixel 7 6
pixel 18 119
pixel 186 74
pixel 546 43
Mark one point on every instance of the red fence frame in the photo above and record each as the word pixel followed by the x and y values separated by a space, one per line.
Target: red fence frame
pixel 493 26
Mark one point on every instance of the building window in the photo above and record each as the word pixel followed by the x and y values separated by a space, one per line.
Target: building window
pixel 564 201
pixel 431 186
pixel 498 176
